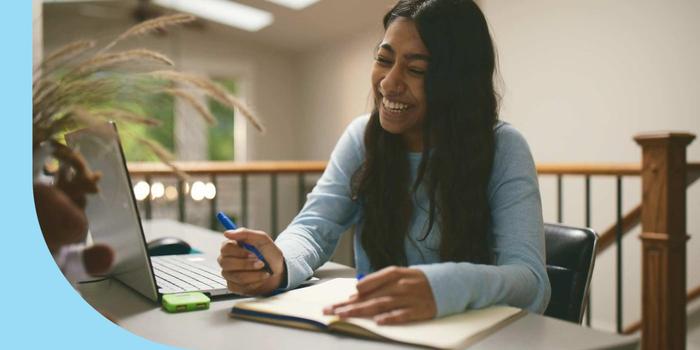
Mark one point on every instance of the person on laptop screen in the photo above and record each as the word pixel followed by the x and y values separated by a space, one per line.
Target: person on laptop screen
pixel 444 196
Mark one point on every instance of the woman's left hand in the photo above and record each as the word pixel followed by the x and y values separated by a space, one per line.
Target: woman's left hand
pixel 392 295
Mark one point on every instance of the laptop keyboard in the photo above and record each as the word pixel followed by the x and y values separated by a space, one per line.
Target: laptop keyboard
pixel 176 273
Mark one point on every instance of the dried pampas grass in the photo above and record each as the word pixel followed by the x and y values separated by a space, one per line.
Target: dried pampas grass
pixel 127 117
pixel 66 52
pixel 196 104
pixel 150 26
pixel 213 90
pixel 76 87
pixel 111 59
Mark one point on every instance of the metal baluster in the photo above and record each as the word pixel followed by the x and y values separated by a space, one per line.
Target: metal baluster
pixel 559 199
pixel 301 189
pixel 618 240
pixel 181 199
pixel 213 222
pixel 244 200
pixel 273 205
pixel 147 202
pixel 588 224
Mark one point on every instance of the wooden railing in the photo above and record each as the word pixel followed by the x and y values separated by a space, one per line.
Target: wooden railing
pixel 665 175
pixel 228 168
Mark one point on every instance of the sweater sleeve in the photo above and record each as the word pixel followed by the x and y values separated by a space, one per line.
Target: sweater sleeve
pixel 518 276
pixel 309 241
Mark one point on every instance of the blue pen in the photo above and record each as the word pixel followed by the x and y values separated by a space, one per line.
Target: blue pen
pixel 230 225
pixel 360 276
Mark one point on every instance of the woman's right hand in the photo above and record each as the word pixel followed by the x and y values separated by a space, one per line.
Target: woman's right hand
pixel 242 270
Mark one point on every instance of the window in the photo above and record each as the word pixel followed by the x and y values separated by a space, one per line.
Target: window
pixel 219 138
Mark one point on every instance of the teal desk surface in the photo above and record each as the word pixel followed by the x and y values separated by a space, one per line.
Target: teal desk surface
pixel 213 329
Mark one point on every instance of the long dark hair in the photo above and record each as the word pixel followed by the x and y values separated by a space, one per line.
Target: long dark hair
pixel 458 139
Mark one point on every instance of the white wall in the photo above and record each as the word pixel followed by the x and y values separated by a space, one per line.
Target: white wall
pixel 335 88
pixel 608 68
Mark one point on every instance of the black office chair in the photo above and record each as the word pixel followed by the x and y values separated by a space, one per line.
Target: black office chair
pixel 570 258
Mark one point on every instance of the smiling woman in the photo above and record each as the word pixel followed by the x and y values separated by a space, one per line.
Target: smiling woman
pixel 443 196
pixel 398 82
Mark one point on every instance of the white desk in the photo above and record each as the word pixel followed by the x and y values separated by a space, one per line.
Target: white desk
pixel 213 329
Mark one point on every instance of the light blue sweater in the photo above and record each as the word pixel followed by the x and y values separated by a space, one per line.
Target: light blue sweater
pixel 518 276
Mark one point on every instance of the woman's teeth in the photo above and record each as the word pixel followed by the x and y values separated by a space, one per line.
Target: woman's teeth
pixel 394 106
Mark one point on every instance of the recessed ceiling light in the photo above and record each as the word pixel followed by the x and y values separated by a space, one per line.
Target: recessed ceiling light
pixel 226 12
pixel 294 4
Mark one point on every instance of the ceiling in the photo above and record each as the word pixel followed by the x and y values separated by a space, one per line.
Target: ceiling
pixel 294 30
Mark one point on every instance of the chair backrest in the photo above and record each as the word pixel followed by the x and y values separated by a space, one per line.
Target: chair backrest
pixel 570 259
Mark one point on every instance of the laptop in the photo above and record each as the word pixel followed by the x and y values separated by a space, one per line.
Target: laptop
pixel 114 220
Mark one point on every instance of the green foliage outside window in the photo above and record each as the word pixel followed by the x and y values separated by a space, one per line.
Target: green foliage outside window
pixel 162 108
pixel 220 141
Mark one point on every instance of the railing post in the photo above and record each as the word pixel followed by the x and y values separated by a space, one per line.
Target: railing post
pixel 664 239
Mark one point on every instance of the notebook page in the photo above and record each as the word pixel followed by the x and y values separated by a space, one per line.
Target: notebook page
pixel 306 302
pixel 446 333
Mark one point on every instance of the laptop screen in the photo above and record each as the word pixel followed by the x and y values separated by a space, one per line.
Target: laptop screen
pixel 112 213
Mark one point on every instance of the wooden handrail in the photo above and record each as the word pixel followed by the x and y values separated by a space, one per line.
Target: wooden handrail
pixel 588 169
pixel 228 168
pixel 613 169
pixel 259 167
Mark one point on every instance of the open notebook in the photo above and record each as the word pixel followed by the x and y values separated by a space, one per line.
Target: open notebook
pixel 303 308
